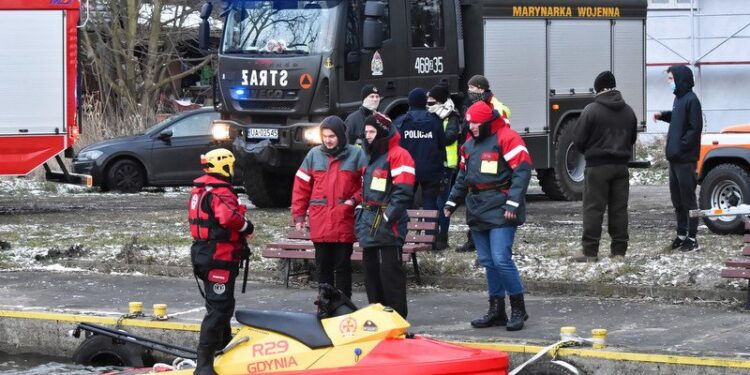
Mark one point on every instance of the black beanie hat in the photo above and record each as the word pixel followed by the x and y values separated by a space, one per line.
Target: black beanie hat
pixel 336 125
pixel 439 93
pixel 369 89
pixel 605 80
pixel 418 98
pixel 480 81
pixel 380 122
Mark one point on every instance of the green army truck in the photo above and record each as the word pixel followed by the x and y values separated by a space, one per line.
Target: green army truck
pixel 285 65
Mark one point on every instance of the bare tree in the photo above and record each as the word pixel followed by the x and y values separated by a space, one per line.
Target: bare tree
pixel 128 47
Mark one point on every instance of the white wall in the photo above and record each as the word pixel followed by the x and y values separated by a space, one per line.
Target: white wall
pixel 724 90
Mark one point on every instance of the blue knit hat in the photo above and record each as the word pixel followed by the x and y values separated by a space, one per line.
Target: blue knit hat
pixel 418 98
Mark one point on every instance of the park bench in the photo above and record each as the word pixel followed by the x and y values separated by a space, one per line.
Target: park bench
pixel 739 268
pixel 297 244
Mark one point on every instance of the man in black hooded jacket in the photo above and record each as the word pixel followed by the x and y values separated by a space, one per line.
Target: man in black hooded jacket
pixel 683 147
pixel 605 134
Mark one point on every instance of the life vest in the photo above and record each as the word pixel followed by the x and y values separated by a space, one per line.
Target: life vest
pixel 203 223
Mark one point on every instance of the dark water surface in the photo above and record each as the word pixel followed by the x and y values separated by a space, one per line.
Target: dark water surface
pixel 37 364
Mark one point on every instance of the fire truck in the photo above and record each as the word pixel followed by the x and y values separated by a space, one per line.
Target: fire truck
pixel 38 103
pixel 285 65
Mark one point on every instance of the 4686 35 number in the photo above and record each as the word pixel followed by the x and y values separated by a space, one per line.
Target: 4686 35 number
pixel 427 65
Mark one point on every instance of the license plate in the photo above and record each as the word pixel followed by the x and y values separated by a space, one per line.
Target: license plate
pixel 254 133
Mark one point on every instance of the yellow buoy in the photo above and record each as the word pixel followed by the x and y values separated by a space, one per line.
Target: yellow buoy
pixel 160 311
pixel 598 338
pixel 568 333
pixel 135 308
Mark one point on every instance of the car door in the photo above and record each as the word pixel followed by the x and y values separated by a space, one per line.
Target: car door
pixel 175 160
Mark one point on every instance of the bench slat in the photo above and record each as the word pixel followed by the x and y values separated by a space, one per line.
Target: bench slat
pixel 746 251
pixel 738 263
pixel 288 254
pixel 746 239
pixel 421 225
pixel 423 214
pixel 735 273
pixel 291 245
pixel 420 238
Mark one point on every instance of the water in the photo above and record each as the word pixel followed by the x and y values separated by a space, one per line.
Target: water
pixel 37 364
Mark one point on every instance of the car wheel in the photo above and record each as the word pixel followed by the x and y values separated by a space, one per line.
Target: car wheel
pixel 125 176
pixel 565 181
pixel 99 350
pixel 725 186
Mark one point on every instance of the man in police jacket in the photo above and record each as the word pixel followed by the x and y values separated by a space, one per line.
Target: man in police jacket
pixel 219 230
pixel 387 190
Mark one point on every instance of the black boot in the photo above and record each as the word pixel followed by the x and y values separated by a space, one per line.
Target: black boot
pixel 468 246
pixel 441 243
pixel 517 313
pixel 495 315
pixel 205 362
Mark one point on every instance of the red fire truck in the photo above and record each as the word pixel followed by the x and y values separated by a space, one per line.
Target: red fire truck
pixel 38 97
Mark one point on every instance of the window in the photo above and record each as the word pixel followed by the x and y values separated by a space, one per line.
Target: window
pixel 427 28
pixel 671 4
pixel 195 125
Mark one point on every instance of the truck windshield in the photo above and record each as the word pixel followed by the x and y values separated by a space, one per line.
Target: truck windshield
pixel 280 27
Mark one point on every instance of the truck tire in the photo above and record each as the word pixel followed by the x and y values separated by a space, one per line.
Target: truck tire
pixel 726 185
pixel 125 176
pixel 267 190
pixel 565 180
pixel 98 350
pixel 549 368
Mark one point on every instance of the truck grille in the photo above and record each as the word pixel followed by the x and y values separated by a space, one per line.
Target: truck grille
pixel 268 105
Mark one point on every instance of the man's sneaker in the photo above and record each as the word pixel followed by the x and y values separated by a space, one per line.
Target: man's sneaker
pixel 689 245
pixel 676 243
pixel 580 257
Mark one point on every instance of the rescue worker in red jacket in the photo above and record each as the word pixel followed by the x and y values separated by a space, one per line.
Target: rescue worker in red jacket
pixel 220 231
pixel 327 187
pixel 387 191
pixel 493 177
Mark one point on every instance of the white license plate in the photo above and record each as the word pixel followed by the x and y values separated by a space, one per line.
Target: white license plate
pixel 262 133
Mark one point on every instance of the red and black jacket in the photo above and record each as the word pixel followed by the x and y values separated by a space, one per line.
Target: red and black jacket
pixel 217 223
pixel 321 186
pixel 493 177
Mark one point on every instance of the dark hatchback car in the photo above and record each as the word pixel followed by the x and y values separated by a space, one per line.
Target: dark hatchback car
pixel 167 154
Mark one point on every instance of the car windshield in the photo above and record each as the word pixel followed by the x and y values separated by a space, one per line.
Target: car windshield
pixel 281 27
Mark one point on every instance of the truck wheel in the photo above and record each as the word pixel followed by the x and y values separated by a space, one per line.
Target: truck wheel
pixel 125 176
pixel 267 190
pixel 565 181
pixel 99 350
pixel 550 368
pixel 726 185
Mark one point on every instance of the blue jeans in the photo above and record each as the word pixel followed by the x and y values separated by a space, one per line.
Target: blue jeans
pixel 446 185
pixel 494 251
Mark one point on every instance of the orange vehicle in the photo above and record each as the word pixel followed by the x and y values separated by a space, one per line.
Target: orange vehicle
pixel 724 175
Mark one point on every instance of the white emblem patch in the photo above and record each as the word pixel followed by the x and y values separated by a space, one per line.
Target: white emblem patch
pixel 194 202
pixel 376 65
pixel 219 288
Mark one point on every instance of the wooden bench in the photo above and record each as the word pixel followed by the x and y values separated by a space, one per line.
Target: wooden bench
pixel 297 244
pixel 739 268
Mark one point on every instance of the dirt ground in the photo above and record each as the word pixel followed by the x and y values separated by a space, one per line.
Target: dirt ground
pixel 48 226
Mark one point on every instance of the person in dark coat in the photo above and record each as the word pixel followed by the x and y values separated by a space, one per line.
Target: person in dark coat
pixel 387 192
pixel 493 177
pixel 423 137
pixel 439 103
pixel 327 187
pixel 355 122
pixel 683 147
pixel 605 134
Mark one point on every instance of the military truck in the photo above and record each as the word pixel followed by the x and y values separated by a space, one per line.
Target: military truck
pixel 284 65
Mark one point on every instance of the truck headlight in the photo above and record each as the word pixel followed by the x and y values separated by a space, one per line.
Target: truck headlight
pixel 312 135
pixel 90 155
pixel 220 131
